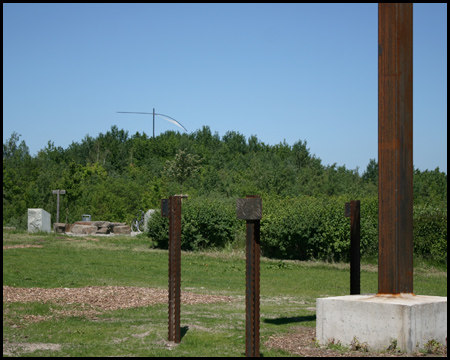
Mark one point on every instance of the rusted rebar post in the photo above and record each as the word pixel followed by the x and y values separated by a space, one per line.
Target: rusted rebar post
pixel 172 209
pixel 250 209
pixel 353 211
pixel 395 148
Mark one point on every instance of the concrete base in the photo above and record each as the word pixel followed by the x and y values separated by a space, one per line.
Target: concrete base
pixel 39 220
pixel 378 319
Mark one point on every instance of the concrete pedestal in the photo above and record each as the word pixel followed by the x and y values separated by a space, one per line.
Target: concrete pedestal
pixel 39 220
pixel 377 320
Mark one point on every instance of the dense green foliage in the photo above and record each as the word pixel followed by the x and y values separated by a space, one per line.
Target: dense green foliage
pixel 114 175
pixel 301 228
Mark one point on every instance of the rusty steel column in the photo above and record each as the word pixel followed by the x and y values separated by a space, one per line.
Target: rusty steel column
pixel 355 239
pixel 250 209
pixel 172 209
pixel 395 148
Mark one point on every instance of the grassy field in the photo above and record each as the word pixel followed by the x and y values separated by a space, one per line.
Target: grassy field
pixel 288 293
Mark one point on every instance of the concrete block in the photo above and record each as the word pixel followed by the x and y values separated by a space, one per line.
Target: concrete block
pixel 122 229
pixel 84 229
pixel 100 224
pixel 102 230
pixel 116 224
pixel 39 220
pixel 412 320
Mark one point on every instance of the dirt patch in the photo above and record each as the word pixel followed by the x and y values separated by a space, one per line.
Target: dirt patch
pixel 11 349
pixel 20 246
pixel 105 297
pixel 301 341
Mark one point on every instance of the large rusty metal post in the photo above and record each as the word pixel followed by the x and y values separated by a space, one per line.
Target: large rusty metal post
pixel 395 148
pixel 172 208
pixel 353 211
pixel 250 209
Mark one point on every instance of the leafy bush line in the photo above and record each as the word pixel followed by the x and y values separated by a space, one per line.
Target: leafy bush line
pixel 303 228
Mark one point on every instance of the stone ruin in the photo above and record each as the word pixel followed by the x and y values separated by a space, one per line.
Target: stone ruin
pixel 93 227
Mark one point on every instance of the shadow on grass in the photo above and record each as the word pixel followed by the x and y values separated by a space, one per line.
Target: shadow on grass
pixel 183 331
pixel 289 320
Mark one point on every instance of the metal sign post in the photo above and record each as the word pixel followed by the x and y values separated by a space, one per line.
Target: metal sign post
pixel 171 208
pixel 58 192
pixel 250 209
pixel 352 210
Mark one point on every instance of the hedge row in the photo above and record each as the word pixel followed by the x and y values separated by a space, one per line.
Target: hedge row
pixel 302 228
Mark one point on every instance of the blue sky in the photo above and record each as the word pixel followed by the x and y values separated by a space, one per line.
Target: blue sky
pixel 282 72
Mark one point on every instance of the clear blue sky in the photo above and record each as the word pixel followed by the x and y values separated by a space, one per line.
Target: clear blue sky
pixel 282 72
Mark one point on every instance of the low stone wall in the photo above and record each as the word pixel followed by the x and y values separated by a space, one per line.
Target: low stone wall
pixel 93 227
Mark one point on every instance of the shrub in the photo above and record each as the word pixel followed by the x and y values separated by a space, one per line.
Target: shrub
pixel 302 228
pixel 314 228
pixel 430 232
pixel 208 223
pixel 205 223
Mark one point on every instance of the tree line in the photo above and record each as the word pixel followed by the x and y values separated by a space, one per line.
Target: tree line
pixel 113 175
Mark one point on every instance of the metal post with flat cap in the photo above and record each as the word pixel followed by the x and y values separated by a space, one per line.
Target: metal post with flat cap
pixel 171 208
pixel 250 209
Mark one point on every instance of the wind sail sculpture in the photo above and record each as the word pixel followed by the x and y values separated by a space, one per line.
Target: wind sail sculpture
pixel 165 117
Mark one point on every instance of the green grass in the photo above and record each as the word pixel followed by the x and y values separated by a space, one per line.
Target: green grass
pixel 288 293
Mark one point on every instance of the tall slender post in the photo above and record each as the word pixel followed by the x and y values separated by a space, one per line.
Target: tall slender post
pixel 171 208
pixel 355 238
pixel 174 268
pixel 395 148
pixel 58 192
pixel 250 209
pixel 153 122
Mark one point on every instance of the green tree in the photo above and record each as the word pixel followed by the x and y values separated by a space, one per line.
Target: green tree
pixel 182 167
pixel 19 171
pixel 371 173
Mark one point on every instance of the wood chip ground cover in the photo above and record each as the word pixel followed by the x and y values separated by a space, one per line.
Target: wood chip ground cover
pixel 95 299
pixel 105 297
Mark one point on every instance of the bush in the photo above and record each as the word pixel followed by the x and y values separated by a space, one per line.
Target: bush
pixel 208 223
pixel 205 223
pixel 430 232
pixel 301 228
pixel 315 228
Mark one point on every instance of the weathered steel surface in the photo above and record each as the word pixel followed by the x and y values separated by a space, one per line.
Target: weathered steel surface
pixel 252 274
pixel 249 209
pixel 174 268
pixel 165 207
pixel 355 238
pixel 347 209
pixel 395 148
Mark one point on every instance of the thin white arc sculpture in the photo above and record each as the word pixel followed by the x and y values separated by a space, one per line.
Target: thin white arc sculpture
pixel 165 117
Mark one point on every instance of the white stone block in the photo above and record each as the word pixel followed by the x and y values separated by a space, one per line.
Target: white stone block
pixel 39 220
pixel 412 320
